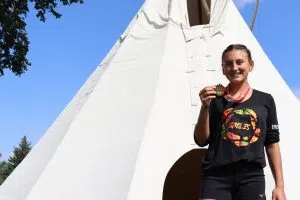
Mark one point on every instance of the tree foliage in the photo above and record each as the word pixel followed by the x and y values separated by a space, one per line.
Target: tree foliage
pixel 14 43
pixel 4 171
pixel 19 153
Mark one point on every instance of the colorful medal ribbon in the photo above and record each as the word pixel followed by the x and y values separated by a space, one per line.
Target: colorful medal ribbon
pixel 241 96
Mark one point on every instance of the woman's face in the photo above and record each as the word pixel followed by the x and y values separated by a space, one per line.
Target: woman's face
pixel 236 66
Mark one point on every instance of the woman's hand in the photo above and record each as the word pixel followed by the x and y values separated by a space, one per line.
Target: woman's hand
pixel 207 94
pixel 278 194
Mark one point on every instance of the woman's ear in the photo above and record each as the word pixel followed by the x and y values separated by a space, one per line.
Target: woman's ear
pixel 251 65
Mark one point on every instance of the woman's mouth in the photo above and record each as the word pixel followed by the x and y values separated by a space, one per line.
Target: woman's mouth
pixel 235 75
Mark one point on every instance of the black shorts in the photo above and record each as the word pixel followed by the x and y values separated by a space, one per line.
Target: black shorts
pixel 234 182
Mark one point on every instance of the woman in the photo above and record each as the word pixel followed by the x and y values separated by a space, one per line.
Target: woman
pixel 238 125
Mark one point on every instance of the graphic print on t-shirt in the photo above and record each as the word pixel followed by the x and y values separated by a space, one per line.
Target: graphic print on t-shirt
pixel 240 126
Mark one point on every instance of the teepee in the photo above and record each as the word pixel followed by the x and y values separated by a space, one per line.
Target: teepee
pixel 133 119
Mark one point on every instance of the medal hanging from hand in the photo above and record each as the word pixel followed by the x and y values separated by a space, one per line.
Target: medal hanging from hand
pixel 220 90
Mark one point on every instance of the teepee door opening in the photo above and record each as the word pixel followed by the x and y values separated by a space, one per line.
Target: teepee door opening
pixel 198 11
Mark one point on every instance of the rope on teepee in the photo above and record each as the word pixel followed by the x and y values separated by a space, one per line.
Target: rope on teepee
pixel 254 15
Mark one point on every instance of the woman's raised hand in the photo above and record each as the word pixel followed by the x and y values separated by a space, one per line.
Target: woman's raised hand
pixel 207 94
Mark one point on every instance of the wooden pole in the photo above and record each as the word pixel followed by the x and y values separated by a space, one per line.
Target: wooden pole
pixel 206 9
pixel 254 15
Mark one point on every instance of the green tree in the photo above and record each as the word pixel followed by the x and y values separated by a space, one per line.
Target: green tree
pixel 19 153
pixel 4 170
pixel 14 43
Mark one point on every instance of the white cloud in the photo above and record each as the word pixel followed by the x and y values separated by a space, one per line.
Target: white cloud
pixel 242 3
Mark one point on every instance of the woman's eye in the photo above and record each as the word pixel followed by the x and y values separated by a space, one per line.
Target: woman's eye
pixel 228 63
pixel 239 62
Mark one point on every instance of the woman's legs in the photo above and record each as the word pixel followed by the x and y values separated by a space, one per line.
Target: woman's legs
pixel 250 185
pixel 217 184
pixel 234 182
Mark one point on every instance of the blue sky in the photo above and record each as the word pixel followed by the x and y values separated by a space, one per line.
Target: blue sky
pixel 64 53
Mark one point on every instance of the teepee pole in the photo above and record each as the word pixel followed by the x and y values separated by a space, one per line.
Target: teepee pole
pixel 206 9
pixel 254 15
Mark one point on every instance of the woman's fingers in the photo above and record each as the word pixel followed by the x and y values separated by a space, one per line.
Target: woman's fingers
pixel 208 98
pixel 207 93
pixel 208 89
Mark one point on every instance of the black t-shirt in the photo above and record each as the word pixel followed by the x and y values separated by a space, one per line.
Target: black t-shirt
pixel 240 131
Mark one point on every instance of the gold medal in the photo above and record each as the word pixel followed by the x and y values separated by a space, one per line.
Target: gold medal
pixel 220 90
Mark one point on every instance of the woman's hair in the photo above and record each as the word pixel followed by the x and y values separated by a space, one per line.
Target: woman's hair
pixel 237 47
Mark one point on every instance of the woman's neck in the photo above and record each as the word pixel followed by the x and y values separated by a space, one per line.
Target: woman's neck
pixel 236 88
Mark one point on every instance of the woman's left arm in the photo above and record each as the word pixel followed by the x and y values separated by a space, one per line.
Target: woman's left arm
pixel 274 157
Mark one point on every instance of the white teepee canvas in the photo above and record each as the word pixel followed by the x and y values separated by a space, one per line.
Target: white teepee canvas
pixel 134 117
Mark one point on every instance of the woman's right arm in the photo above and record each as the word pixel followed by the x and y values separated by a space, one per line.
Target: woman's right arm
pixel 201 131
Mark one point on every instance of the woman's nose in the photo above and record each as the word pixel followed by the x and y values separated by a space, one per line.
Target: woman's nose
pixel 234 66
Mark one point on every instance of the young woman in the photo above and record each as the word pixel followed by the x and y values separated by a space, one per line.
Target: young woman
pixel 238 125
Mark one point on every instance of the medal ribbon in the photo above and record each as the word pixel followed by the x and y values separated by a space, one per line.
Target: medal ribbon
pixel 240 98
